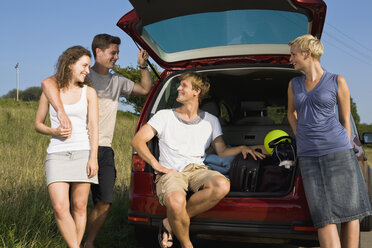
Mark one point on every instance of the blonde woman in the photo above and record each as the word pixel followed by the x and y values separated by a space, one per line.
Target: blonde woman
pixel 333 182
pixel 71 163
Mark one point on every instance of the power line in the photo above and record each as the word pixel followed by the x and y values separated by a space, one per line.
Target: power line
pixel 347 36
pixel 347 45
pixel 359 59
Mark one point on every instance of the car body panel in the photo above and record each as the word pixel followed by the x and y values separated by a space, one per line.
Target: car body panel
pixel 289 208
pixel 190 31
pixel 283 216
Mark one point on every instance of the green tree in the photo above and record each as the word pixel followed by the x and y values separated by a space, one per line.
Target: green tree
pixel 134 74
pixel 364 128
pixel 11 94
pixel 354 111
pixel 31 94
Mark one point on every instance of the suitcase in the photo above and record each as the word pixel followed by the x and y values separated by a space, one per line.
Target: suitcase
pixel 274 178
pixel 244 173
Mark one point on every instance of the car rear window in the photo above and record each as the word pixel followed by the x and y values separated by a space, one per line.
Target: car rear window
pixel 236 27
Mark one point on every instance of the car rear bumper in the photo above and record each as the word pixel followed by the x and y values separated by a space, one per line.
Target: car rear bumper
pixel 238 231
pixel 280 218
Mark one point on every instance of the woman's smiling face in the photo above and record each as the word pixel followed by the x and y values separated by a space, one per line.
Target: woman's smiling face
pixel 80 69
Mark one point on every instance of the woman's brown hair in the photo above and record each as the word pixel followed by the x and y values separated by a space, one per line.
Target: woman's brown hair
pixel 67 58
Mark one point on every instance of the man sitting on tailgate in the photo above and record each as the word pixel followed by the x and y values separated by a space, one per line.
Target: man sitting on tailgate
pixel 184 134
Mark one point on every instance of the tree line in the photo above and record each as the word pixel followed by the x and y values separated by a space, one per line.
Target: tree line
pixel 29 94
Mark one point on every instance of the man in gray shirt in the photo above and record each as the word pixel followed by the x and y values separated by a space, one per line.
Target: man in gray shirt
pixel 109 87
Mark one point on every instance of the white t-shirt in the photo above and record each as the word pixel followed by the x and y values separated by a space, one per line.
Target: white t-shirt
pixel 109 88
pixel 181 142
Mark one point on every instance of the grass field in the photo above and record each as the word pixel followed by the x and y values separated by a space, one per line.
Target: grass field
pixel 26 215
pixel 368 151
pixel 25 211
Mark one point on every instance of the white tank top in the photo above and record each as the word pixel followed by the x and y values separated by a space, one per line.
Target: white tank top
pixel 79 139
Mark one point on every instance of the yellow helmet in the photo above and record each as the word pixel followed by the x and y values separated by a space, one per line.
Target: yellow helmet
pixel 271 136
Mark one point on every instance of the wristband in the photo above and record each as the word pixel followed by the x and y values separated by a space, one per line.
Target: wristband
pixel 143 67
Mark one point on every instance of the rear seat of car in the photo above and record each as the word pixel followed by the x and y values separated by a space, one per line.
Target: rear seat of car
pixel 253 112
pixel 250 128
pixel 249 134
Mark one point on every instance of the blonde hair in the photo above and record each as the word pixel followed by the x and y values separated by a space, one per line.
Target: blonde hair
pixel 310 43
pixel 198 82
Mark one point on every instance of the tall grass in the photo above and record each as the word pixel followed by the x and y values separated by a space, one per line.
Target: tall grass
pixel 26 215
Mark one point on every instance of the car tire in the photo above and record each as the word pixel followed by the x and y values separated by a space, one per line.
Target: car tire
pixel 146 237
pixel 366 223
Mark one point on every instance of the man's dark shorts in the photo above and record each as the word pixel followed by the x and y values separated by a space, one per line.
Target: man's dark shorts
pixel 104 190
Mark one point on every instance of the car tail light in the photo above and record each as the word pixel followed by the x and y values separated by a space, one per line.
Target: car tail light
pixel 304 228
pixel 138 219
pixel 138 164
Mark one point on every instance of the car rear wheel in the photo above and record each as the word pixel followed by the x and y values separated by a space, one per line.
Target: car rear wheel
pixel 146 237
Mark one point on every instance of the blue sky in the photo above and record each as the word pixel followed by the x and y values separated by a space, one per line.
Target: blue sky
pixel 35 33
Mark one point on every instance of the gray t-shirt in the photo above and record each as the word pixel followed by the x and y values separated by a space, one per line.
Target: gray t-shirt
pixel 109 88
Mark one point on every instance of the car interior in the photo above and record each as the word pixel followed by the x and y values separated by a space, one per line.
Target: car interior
pixel 248 101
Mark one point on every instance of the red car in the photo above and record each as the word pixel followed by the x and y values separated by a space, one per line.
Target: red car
pixel 242 47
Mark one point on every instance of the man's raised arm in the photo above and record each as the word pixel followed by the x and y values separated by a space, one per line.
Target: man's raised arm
pixel 144 87
pixel 50 89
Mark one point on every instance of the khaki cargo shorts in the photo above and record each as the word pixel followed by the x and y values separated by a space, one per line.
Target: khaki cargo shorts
pixel 192 178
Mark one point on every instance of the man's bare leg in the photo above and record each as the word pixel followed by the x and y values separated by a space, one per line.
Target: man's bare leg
pixel 177 218
pixel 179 211
pixel 213 191
pixel 96 219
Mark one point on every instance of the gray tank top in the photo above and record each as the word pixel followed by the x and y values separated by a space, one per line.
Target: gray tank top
pixel 318 132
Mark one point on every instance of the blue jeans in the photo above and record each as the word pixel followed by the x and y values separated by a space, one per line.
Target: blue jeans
pixel 335 188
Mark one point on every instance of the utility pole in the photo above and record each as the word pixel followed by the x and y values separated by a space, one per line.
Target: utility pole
pixel 17 68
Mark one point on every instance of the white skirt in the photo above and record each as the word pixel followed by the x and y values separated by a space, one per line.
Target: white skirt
pixel 68 166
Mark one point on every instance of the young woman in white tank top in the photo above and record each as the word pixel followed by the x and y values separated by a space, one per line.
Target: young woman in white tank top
pixel 71 164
